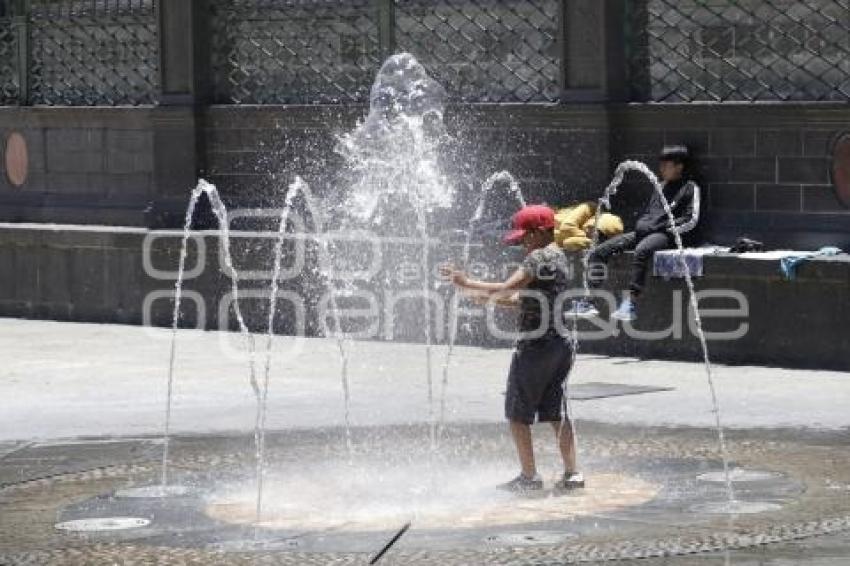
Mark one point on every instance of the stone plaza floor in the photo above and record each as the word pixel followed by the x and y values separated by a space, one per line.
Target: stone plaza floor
pixel 81 414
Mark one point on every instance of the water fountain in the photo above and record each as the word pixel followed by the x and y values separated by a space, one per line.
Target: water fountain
pixel 732 506
pixel 299 188
pixel 392 163
pixel 605 204
pixel 262 401
pixel 393 160
pixel 500 178
pixel 393 155
pixel 220 212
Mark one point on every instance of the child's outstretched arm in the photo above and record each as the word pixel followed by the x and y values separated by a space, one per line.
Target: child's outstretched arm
pixel 503 293
pixel 506 299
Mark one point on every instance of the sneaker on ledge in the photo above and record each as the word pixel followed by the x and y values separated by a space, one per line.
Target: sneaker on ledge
pixel 582 308
pixel 627 311
pixel 523 484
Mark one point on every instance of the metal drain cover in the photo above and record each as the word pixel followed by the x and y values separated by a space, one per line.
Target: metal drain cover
pixel 530 538
pixel 596 390
pixel 254 545
pixel 153 492
pixel 736 507
pixel 103 524
pixel 739 475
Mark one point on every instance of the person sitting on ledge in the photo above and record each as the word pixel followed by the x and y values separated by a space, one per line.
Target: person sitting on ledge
pixel 652 233
pixel 543 355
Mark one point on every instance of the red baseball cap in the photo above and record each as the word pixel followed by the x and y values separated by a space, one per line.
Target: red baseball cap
pixel 534 217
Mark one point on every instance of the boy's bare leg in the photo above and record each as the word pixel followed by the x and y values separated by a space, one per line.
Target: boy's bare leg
pixel 524 447
pixel 566 444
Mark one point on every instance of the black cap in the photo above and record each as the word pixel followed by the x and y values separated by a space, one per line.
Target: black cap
pixel 678 153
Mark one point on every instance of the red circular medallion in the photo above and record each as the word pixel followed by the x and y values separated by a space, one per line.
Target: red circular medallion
pixel 17 159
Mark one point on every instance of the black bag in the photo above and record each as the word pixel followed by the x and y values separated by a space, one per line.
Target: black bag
pixel 743 245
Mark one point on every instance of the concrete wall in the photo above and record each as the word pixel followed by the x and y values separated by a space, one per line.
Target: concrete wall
pixel 104 166
pixel 86 166
pixel 72 274
pixel 766 168
pixel 127 276
pixel 559 153
pixel 801 323
pixel 86 275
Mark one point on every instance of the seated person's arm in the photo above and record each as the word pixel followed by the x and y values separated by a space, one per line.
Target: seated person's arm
pixel 689 218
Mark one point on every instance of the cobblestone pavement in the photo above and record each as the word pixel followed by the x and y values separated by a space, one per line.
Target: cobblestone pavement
pixel 50 482
pixel 80 424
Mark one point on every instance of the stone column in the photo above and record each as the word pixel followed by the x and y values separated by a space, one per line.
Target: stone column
pixel 20 25
pixel 179 152
pixel 386 28
pixel 639 86
pixel 593 75
pixel 592 41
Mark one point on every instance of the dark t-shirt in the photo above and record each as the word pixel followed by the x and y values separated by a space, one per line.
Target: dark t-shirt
pixel 551 272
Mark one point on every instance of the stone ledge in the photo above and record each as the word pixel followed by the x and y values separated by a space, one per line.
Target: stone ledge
pixel 696 116
pixel 95 274
pixel 550 116
pixel 68 117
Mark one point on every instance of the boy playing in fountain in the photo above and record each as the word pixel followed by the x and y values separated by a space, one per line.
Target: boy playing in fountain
pixel 543 356
pixel 652 231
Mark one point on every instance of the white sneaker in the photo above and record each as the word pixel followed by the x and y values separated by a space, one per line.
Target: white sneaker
pixel 582 309
pixel 570 481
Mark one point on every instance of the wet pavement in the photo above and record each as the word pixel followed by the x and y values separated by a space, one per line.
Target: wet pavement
pixel 72 380
pixel 650 493
pixel 654 494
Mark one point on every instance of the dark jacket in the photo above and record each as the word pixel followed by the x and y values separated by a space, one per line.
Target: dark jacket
pixel 684 199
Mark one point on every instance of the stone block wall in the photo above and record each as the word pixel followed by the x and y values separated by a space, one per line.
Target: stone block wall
pixel 127 276
pixel 86 166
pixel 766 169
pixel 558 154
pixel 789 323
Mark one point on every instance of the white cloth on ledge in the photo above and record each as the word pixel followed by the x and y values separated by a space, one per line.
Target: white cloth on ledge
pixel 668 263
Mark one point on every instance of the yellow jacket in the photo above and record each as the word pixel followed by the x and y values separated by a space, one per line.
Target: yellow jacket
pixel 574 226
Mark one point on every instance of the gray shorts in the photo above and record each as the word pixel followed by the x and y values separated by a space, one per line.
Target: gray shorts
pixel 536 380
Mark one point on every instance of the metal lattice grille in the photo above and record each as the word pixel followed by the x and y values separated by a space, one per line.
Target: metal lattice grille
pixel 9 88
pixel 740 50
pixel 484 50
pixel 93 52
pixel 283 52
